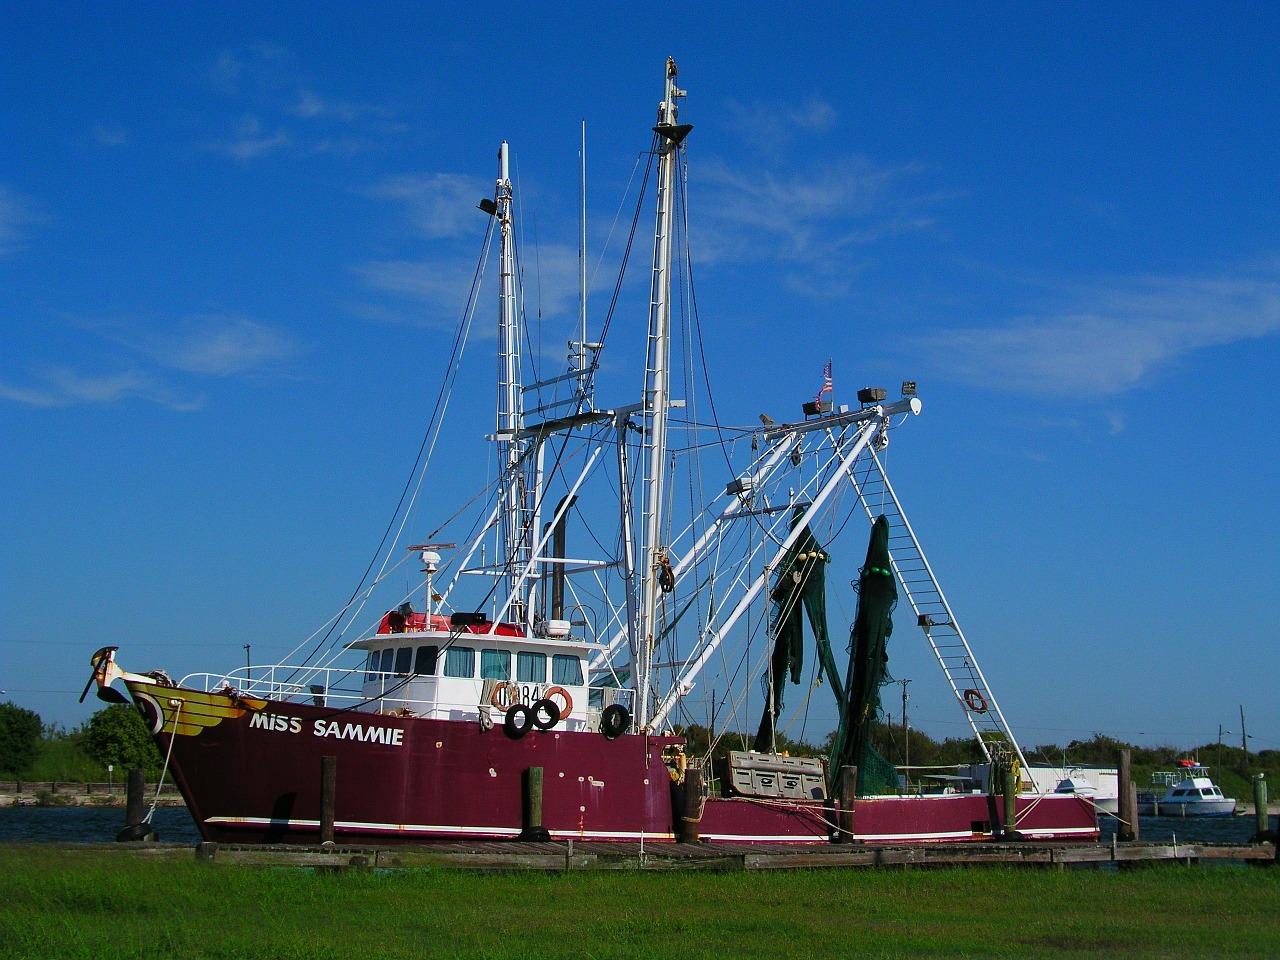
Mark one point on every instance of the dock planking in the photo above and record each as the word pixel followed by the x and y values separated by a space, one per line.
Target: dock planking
pixel 559 857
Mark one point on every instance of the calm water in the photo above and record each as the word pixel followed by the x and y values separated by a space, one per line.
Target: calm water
pixel 89 825
pixel 174 825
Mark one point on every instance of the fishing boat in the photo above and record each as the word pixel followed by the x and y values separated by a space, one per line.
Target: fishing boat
pixel 538 678
pixel 1189 792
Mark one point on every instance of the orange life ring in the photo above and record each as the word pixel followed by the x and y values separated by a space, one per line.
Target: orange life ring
pixel 568 700
pixel 975 701
pixel 504 695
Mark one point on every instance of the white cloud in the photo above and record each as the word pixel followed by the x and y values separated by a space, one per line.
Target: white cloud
pixel 440 205
pixel 64 387
pixel 812 220
pixel 15 215
pixel 110 136
pixel 550 282
pixel 1111 339
pixel 285 110
pixel 770 128
pixel 221 346
pixel 250 141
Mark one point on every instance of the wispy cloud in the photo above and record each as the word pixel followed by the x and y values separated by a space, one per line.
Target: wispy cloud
pixel 250 141
pixel 207 345
pixel 281 108
pixel 440 205
pixel 221 346
pixel 65 387
pixel 813 219
pixel 110 136
pixel 549 279
pixel 1112 338
pixel 16 214
pixel 769 127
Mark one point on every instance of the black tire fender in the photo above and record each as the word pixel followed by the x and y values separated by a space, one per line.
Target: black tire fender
pixel 518 721
pixel 615 719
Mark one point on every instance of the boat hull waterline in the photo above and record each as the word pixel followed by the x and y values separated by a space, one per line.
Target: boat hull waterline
pixel 250 771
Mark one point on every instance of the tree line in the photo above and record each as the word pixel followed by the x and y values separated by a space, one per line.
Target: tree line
pixel 116 736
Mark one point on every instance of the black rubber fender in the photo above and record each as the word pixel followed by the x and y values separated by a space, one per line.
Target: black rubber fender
pixel 518 721
pixel 546 714
pixel 615 720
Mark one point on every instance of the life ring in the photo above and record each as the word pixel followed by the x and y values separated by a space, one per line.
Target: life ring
pixel 975 701
pixel 546 714
pixel 504 695
pixel 614 721
pixel 517 721
pixel 568 700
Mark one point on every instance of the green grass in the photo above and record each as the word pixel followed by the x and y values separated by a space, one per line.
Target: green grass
pixel 99 905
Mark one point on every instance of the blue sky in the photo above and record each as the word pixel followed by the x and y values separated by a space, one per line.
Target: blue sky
pixel 233 243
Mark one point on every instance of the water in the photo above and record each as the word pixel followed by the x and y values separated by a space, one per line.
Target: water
pixel 89 825
pixel 1188 829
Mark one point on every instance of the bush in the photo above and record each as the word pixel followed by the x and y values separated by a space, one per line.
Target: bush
pixel 116 735
pixel 20 731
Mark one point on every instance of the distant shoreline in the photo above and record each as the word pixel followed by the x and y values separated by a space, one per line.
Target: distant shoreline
pixel 56 793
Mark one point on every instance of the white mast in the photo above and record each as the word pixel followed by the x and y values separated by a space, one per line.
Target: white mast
pixel 511 512
pixel 657 397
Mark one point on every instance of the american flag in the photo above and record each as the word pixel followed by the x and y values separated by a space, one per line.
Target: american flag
pixel 826 382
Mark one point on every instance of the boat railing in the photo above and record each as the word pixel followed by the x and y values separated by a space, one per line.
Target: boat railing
pixel 1169 778
pixel 349 688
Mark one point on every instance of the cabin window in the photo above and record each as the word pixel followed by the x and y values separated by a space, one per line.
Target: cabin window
pixel 495 664
pixel 426 662
pixel 385 665
pixel 404 660
pixel 566 669
pixel 460 662
pixel 371 666
pixel 531 667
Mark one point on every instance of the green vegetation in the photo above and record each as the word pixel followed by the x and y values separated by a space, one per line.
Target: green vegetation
pixel 19 738
pixel 93 904
pixel 114 735
pixel 117 735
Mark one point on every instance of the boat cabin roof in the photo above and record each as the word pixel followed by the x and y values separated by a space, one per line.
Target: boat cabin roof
pixel 396 628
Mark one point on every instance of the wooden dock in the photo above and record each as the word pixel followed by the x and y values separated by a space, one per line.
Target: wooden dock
pixel 560 857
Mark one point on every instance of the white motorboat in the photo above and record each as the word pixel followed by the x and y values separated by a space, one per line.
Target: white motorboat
pixel 1189 792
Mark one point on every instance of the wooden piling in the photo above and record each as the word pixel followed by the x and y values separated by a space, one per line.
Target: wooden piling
pixel 1262 823
pixel 531 828
pixel 847 790
pixel 691 816
pixel 1126 799
pixel 1009 789
pixel 328 793
pixel 135 787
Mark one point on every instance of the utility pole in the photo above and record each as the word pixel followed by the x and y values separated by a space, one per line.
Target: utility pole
pixel 906 732
pixel 1220 733
pixel 1244 739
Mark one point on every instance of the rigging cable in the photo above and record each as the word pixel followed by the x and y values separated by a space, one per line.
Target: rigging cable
pixel 425 448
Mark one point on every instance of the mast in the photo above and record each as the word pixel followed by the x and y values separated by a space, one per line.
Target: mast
pixel 511 492
pixel 655 565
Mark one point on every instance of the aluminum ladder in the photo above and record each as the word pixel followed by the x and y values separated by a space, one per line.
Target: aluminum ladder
pixel 933 614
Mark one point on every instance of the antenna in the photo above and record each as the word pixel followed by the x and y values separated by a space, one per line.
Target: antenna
pixel 582 266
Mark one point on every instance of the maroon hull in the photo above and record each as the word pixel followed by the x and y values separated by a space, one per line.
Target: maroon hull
pixel 430 779
pixel 943 818
pixel 250 772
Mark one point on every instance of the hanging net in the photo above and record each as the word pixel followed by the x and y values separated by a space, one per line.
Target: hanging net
pixel 868 670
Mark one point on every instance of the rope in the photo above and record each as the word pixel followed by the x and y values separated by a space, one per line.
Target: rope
pixel 173 735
